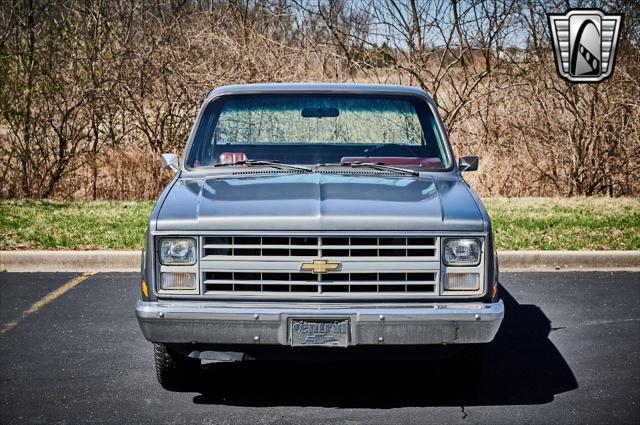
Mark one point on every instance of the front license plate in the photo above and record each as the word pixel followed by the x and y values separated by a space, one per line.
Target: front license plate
pixel 319 332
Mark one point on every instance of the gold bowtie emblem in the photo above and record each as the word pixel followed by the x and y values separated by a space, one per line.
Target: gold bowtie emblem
pixel 319 266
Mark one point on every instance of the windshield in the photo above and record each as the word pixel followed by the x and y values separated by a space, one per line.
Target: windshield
pixel 319 129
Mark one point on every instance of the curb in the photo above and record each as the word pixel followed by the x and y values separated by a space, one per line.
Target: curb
pixel 70 261
pixel 129 261
pixel 569 260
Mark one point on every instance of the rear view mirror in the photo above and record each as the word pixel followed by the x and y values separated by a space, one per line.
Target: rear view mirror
pixel 469 163
pixel 320 112
pixel 170 160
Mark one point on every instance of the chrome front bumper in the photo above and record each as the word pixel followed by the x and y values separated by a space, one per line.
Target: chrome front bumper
pixel 267 324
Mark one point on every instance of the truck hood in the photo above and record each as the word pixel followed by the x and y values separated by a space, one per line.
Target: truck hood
pixel 319 202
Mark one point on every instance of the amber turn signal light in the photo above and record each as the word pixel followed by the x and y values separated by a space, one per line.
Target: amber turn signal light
pixel 145 289
pixel 494 290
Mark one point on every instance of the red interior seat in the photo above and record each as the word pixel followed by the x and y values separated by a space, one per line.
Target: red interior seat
pixel 231 157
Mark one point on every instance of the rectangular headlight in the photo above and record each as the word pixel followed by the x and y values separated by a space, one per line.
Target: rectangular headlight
pixel 462 252
pixel 173 280
pixel 177 251
pixel 461 281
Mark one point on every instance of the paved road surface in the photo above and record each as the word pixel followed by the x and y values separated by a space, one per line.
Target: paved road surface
pixel 568 352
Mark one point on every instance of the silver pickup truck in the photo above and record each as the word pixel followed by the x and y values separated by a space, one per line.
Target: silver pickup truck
pixel 315 215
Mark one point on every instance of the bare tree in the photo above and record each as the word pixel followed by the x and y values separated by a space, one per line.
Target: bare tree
pixel 91 89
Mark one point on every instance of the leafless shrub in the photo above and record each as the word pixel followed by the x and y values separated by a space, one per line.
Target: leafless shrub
pixel 92 91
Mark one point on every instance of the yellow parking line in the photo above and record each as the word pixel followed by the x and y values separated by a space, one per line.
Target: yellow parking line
pixel 45 300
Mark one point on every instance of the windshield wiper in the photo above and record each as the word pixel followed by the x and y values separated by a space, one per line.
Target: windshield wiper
pixel 376 165
pixel 274 164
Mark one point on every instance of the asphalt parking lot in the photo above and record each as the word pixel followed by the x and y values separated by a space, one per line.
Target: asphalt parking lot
pixel 568 352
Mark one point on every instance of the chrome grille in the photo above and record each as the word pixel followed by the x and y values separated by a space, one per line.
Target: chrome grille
pixel 273 265
pixel 332 246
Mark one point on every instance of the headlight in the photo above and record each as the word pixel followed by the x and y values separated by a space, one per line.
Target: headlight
pixel 177 252
pixel 462 252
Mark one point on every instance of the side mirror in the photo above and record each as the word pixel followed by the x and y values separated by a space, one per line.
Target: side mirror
pixel 469 163
pixel 170 160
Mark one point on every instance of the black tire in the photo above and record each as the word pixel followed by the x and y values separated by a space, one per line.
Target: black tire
pixel 175 371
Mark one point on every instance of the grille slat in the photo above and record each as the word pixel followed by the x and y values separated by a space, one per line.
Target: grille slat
pixel 265 282
pixel 284 246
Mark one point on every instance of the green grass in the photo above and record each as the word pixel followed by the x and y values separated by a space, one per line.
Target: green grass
pixel 73 224
pixel 519 223
pixel 566 223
